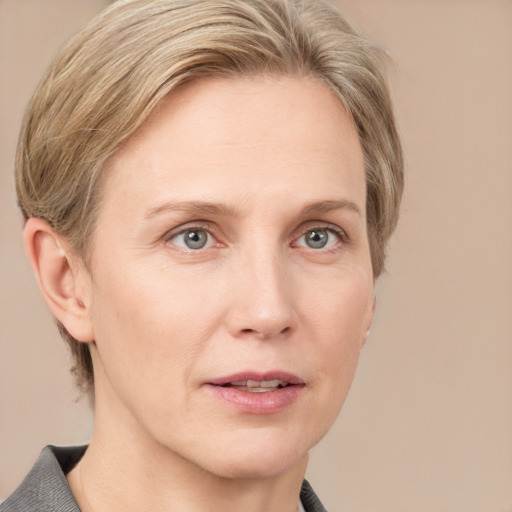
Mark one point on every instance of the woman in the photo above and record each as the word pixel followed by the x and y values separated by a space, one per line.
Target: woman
pixel 208 188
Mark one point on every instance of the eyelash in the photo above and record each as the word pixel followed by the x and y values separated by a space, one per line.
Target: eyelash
pixel 339 233
pixel 210 230
pixel 169 236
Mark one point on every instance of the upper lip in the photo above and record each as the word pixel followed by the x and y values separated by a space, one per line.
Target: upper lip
pixel 285 377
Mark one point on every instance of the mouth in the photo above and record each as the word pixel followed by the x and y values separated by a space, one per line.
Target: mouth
pixel 255 386
pixel 258 393
pixel 258 382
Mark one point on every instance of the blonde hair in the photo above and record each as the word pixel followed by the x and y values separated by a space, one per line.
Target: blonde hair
pixel 103 85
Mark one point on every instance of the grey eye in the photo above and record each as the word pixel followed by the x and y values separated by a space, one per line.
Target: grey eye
pixel 316 238
pixel 195 238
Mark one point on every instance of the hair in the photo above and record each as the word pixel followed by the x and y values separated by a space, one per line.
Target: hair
pixel 108 79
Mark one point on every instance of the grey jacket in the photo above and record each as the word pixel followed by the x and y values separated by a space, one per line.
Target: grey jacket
pixel 45 488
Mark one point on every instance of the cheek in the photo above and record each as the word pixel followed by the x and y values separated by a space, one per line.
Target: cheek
pixel 147 324
pixel 341 309
pixel 339 317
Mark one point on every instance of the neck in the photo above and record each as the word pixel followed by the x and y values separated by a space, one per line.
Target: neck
pixel 108 481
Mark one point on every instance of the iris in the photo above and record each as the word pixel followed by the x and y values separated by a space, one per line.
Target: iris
pixel 317 238
pixel 195 239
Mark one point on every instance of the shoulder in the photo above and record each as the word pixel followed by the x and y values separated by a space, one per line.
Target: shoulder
pixel 45 488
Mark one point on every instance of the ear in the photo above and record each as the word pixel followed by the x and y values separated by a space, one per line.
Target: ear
pixel 62 277
pixel 369 319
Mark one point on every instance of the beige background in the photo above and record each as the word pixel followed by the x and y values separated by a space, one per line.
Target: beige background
pixel 428 424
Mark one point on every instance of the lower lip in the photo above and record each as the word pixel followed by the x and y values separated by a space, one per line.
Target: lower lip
pixel 268 402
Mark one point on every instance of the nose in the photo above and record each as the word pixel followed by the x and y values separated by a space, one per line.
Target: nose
pixel 263 298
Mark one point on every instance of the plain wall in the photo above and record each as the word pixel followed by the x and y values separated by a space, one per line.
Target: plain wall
pixel 427 426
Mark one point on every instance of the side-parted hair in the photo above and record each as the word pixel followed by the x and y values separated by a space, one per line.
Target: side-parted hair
pixel 103 85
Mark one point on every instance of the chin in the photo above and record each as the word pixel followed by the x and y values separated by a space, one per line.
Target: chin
pixel 253 458
pixel 258 466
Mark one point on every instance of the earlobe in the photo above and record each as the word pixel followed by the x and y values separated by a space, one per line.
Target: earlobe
pixel 62 279
pixel 369 320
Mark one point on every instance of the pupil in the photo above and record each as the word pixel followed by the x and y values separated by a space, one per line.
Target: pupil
pixel 195 239
pixel 317 239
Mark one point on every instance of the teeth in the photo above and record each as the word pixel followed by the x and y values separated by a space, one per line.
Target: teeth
pixel 259 383
pixel 256 386
pixel 264 383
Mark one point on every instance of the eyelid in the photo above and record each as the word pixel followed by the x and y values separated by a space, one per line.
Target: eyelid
pixel 312 225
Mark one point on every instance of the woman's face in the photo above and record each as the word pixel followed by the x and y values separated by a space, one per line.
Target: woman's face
pixel 231 286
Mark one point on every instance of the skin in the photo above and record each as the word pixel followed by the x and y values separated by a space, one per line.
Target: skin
pixel 279 157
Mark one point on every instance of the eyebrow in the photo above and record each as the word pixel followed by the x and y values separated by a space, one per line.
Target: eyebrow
pixel 220 209
pixel 194 207
pixel 328 206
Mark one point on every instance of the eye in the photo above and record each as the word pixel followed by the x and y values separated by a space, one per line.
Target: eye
pixel 318 238
pixel 193 239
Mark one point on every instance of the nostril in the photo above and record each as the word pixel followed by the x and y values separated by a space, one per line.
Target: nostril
pixel 263 334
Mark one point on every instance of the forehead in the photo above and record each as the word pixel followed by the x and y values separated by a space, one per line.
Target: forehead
pixel 242 137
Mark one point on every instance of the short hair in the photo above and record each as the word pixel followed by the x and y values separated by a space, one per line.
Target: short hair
pixel 108 79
